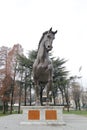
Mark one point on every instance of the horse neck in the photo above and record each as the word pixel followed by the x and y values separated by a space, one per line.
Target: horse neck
pixel 42 53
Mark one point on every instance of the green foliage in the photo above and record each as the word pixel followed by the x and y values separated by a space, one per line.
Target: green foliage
pixel 59 69
pixel 32 55
pixel 59 76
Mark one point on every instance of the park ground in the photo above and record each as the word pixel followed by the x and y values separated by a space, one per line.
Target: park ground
pixel 74 121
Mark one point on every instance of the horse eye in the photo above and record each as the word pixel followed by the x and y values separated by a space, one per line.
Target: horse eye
pixel 48 36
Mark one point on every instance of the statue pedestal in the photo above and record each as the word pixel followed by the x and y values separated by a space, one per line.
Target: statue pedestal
pixel 43 115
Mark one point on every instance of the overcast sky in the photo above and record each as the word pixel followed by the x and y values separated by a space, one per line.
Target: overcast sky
pixel 24 21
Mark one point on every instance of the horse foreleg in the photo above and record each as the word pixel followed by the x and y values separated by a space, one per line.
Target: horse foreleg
pixel 37 92
pixel 49 88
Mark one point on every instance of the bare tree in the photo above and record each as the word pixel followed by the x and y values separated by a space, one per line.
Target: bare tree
pixel 8 63
pixel 84 99
pixel 5 91
pixel 76 91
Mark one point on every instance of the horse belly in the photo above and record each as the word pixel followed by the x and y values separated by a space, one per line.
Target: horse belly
pixel 43 77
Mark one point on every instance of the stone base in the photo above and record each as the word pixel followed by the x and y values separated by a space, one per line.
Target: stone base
pixel 43 115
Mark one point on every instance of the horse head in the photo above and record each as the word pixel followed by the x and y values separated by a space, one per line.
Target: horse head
pixel 49 36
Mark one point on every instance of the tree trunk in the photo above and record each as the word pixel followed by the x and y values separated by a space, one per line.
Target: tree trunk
pixel 76 105
pixel 54 98
pixel 62 97
pixel 12 95
pixel 79 105
pixel 19 99
pixel 67 101
pixel 25 96
pixel 30 94
pixel 4 110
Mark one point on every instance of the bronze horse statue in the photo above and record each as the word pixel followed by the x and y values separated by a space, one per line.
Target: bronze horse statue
pixel 42 67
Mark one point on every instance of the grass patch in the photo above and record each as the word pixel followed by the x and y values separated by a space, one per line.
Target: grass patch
pixel 82 112
pixel 8 113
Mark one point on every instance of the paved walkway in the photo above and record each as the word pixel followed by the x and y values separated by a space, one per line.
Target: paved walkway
pixel 73 122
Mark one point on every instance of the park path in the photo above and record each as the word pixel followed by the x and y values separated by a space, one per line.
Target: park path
pixel 13 122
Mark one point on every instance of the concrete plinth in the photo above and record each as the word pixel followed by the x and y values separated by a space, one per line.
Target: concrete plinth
pixel 43 115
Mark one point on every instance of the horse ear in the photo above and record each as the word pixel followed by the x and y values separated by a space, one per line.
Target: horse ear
pixel 50 29
pixel 55 32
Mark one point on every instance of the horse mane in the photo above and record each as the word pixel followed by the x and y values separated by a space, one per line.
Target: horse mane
pixel 42 38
